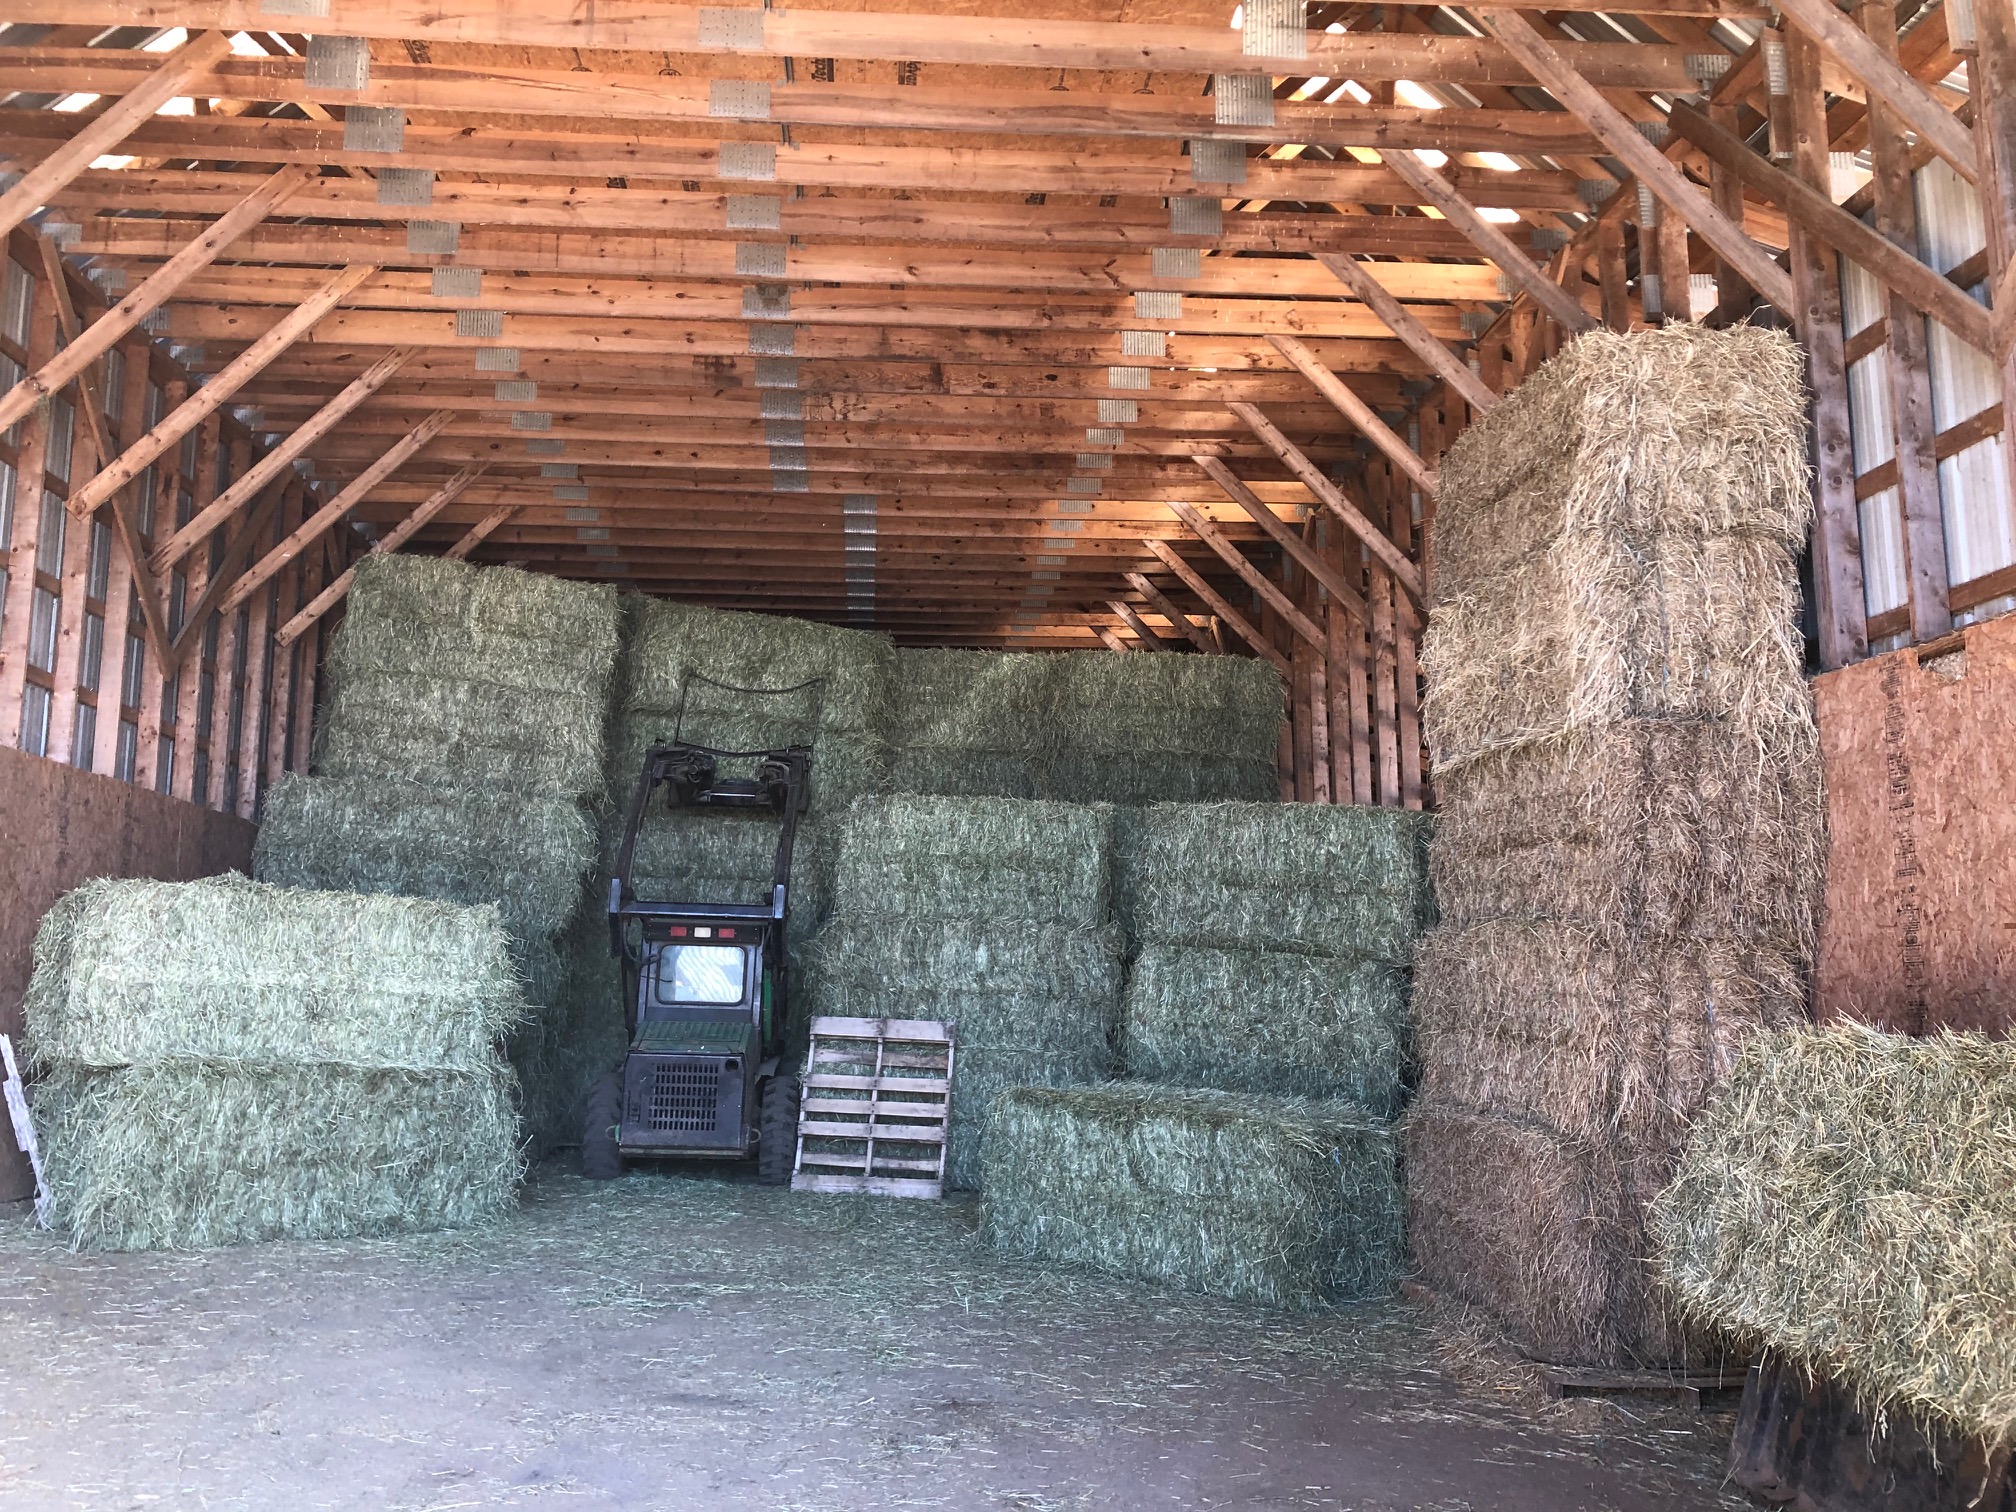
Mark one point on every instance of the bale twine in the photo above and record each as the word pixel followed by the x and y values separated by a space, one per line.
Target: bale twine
pixel 1274 1200
pixel 1850 1201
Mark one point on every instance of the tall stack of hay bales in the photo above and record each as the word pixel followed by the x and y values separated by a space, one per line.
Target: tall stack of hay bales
pixel 221 1061
pixel 1630 841
pixel 1084 726
pixel 991 913
pixel 459 749
pixel 1849 1202
pixel 1264 1029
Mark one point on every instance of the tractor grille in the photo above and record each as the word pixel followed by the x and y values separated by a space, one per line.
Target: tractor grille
pixel 683 1097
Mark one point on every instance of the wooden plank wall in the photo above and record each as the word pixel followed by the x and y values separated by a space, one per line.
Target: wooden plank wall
pixel 60 826
pixel 218 727
pixel 1920 754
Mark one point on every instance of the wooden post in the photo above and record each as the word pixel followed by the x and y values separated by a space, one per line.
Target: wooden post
pixel 1612 275
pixel 1406 675
pixel 1993 69
pixel 1733 297
pixel 28 483
pixel 1839 605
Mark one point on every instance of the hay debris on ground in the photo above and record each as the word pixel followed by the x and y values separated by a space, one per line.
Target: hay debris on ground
pixel 998 858
pixel 1030 1004
pixel 525 853
pixel 222 1061
pixel 1850 1200
pixel 195 1154
pixel 1328 880
pixel 1267 1021
pixel 1275 1200
pixel 132 972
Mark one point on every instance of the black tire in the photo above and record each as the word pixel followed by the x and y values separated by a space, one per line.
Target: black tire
pixel 777 1143
pixel 599 1158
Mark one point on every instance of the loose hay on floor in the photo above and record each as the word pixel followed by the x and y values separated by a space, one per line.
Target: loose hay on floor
pixel 1313 877
pixel 1850 1200
pixel 133 972
pixel 221 1061
pixel 1273 1200
pixel 192 1154
pixel 1267 1021
pixel 527 854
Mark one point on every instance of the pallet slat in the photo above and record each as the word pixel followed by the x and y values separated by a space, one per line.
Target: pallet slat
pixel 904 1068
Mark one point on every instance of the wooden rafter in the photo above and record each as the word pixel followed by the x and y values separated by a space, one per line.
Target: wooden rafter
pixel 1309 559
pixel 1149 640
pixel 1359 278
pixel 1269 591
pixel 1178 620
pixel 1357 411
pixel 1215 601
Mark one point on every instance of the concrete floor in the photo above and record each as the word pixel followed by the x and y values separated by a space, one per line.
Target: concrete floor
pixel 682 1343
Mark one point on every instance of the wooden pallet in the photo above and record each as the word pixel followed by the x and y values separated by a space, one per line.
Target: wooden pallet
pixel 1700 1391
pixel 876 1106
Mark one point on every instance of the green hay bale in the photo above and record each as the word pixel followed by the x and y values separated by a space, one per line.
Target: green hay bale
pixel 844 765
pixel 233 971
pixel 997 858
pixel 951 772
pixel 1850 1200
pixel 1619 540
pixel 1280 1201
pixel 673 641
pixel 468 844
pixel 548 618
pixel 1151 777
pixel 1328 880
pixel 387 728
pixel 1266 1021
pixel 188 1154
pixel 1538 1230
pixel 1647 833
pixel 1221 707
pixel 580 1031
pixel 1543 1021
pixel 979 703
pixel 1027 1004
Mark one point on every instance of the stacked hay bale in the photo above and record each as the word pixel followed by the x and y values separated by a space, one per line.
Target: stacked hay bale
pixel 1264 1022
pixel 459 749
pixel 1630 844
pixel 1849 1202
pixel 1084 727
pixel 990 913
pixel 221 1061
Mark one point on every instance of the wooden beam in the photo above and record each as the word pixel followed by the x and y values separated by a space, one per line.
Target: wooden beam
pixel 434 503
pixel 97 339
pixel 1376 540
pixel 270 466
pixel 1167 606
pixel 1886 80
pixel 1150 641
pixel 1311 560
pixel 1892 266
pixel 1111 641
pixel 477 533
pixel 125 524
pixel 336 508
pixel 216 584
pixel 1269 591
pixel 1356 410
pixel 1009 41
pixel 1673 188
pixel 214 394
pixel 104 131
pixel 1491 241
pixel 1358 278
pixel 1216 603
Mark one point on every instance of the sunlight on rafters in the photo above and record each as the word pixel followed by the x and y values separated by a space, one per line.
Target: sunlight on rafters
pixel 242 46
pixel 1497 161
pixel 1433 157
pixel 75 102
pixel 168 41
pixel 1497 215
pixel 181 105
pixel 1415 95
pixel 113 160
pixel 1352 88
pixel 1310 86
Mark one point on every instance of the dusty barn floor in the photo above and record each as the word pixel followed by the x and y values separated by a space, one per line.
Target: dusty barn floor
pixel 676 1343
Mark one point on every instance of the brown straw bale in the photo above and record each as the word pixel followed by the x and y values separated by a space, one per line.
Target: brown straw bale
pixel 1675 431
pixel 1850 1200
pixel 1538 1228
pixel 1647 832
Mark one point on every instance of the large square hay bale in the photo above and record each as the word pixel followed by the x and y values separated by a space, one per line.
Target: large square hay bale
pixel 1619 540
pixel 1030 1003
pixel 1324 879
pixel 1850 1201
pixel 189 1154
pixel 1539 1229
pixel 1649 832
pixel 1267 1021
pixel 1157 777
pixel 458 676
pixel 996 858
pixel 134 972
pixel 1223 707
pixel 526 853
pixel 221 1061
pixel 1274 1200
